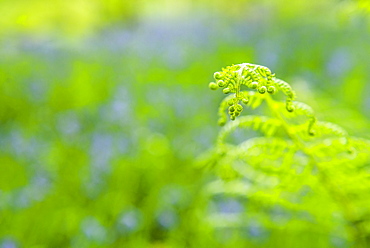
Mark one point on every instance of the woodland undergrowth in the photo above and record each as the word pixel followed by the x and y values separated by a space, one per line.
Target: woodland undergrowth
pixel 280 150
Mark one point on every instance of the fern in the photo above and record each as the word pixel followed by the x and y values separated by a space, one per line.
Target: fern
pixel 291 150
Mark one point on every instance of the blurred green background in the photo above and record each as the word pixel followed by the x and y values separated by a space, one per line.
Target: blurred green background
pixel 105 107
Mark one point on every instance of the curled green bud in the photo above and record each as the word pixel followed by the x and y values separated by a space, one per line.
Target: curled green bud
pixel 230 102
pixel 239 108
pixel 245 100
pixel 221 83
pixel 226 91
pixel 232 109
pixel 289 107
pixel 253 85
pixel 213 86
pixel 289 104
pixel 232 117
pixel 262 89
pixel 217 75
pixel 237 113
pixel 271 89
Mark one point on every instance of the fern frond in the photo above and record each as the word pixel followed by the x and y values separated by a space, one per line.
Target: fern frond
pixel 328 128
pixel 272 144
pixel 318 154
pixel 303 109
pixel 230 103
pixel 288 91
pixel 255 77
pixel 222 110
pixel 264 124
pixel 262 153
pixel 330 139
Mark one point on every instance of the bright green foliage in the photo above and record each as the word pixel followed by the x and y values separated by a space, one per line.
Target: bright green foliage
pixel 99 135
pixel 255 77
pixel 292 153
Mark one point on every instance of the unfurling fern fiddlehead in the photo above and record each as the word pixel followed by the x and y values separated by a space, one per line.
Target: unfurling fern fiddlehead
pixel 291 139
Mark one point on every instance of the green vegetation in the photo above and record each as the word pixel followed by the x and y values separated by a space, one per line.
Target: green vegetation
pixel 296 163
pixel 108 131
